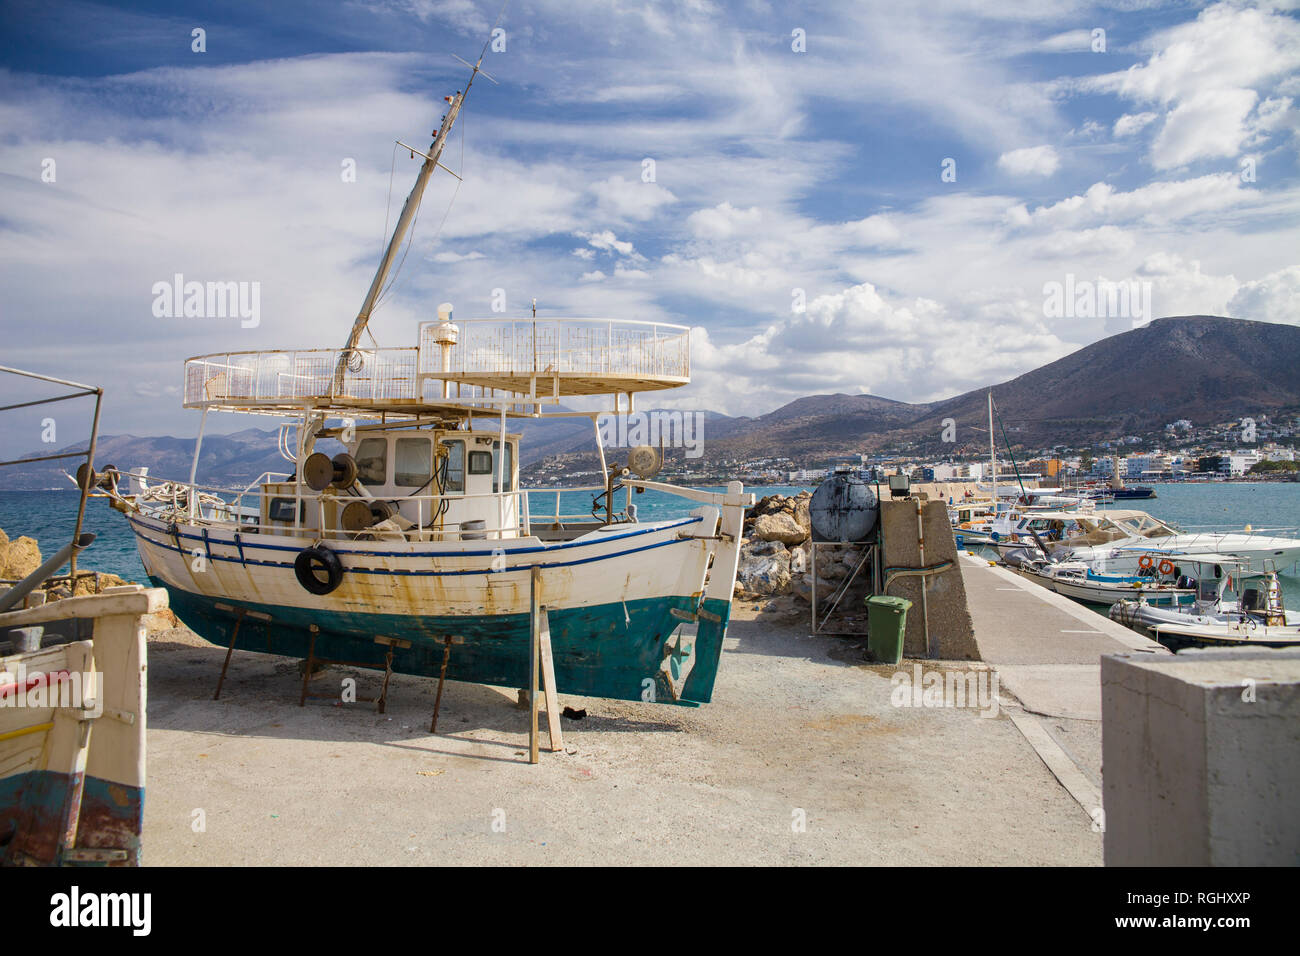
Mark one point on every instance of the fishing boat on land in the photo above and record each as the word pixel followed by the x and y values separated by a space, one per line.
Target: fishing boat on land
pixel 1240 606
pixel 412 547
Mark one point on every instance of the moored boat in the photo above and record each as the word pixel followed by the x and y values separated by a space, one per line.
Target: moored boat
pixel 1240 606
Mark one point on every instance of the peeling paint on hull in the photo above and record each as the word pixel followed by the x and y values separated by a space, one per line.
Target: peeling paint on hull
pixel 31 804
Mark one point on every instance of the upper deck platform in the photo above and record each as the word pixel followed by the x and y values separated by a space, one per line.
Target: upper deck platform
pixel 526 359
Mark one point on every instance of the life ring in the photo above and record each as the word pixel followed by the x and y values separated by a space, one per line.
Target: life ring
pixel 1145 562
pixel 1166 567
pixel 314 559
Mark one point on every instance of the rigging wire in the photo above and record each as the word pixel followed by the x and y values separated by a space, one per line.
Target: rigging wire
pixel 392 283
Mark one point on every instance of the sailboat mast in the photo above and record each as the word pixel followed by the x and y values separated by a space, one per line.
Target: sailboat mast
pixel 993 465
pixel 431 162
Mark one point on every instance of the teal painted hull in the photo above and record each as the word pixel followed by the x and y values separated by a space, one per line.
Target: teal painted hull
pixel 614 650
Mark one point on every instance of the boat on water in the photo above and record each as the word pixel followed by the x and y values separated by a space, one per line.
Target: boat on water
pixel 1158 584
pixel 1115 541
pixel 412 547
pixel 1240 606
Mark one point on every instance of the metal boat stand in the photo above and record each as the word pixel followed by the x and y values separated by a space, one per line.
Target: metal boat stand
pixel 311 660
pixel 240 613
pixel 442 679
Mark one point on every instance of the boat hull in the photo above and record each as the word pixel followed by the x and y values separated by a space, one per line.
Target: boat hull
pixel 614 604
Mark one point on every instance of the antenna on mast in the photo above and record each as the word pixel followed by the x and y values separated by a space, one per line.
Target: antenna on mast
pixel 349 356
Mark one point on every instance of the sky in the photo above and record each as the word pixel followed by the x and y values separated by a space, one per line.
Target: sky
pixel 835 197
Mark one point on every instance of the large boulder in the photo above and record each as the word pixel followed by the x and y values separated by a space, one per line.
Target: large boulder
pixel 88 584
pixel 22 556
pixel 780 526
pixel 801 586
pixel 767 573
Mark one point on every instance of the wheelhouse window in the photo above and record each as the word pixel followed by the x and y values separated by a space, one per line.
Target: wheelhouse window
pixel 372 461
pixel 508 473
pixel 454 478
pixel 480 463
pixel 413 462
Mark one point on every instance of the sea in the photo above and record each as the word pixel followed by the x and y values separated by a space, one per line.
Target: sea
pixel 50 516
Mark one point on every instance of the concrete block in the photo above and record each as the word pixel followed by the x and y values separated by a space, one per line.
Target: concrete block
pixel 945 594
pixel 1201 758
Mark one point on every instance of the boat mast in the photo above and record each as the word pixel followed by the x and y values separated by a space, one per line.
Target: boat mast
pixel 993 465
pixel 431 162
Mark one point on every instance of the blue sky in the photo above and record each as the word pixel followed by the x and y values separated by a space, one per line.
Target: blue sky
pixel 775 170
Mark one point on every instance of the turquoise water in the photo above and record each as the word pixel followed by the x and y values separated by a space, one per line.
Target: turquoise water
pixel 49 517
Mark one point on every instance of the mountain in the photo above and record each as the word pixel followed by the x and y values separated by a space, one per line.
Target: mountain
pixel 1203 368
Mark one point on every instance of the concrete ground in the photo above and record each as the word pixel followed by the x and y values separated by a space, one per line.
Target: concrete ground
pixel 800 759
pixel 1047 650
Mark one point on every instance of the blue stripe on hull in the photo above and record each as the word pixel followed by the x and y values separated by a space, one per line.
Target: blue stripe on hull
pixel 609 650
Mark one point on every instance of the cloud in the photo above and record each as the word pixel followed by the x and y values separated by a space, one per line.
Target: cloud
pixel 1131 123
pixel 622 199
pixel 1206 75
pixel 1210 124
pixel 1274 298
pixel 1031 161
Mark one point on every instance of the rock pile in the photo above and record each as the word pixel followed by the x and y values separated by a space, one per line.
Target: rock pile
pixel 18 558
pixel 775 555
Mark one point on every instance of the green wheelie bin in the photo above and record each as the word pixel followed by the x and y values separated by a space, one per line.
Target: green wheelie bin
pixel 886 624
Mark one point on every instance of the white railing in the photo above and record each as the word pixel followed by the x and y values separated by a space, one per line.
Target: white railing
pixel 508 355
pixel 288 378
pixel 597 347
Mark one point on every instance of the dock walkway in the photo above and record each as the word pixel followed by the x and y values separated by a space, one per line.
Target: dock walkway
pixel 1047 650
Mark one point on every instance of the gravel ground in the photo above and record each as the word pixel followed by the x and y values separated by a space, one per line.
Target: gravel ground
pixel 800 759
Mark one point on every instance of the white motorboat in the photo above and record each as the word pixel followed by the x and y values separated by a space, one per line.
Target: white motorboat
pixel 1159 585
pixel 1239 607
pixel 1113 542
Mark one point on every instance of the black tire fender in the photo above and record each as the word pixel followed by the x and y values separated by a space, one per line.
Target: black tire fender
pixel 314 559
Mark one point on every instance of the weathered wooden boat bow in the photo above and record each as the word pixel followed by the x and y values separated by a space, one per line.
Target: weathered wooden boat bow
pixel 414 549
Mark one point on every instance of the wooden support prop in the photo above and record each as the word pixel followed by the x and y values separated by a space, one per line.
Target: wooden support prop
pixel 442 679
pixel 240 613
pixel 540 658
pixel 548 683
pixel 380 702
pixel 534 651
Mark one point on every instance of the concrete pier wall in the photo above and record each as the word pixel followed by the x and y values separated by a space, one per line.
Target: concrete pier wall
pixel 1202 758
pixel 951 635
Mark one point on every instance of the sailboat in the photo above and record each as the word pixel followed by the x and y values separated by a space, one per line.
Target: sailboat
pixel 415 548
